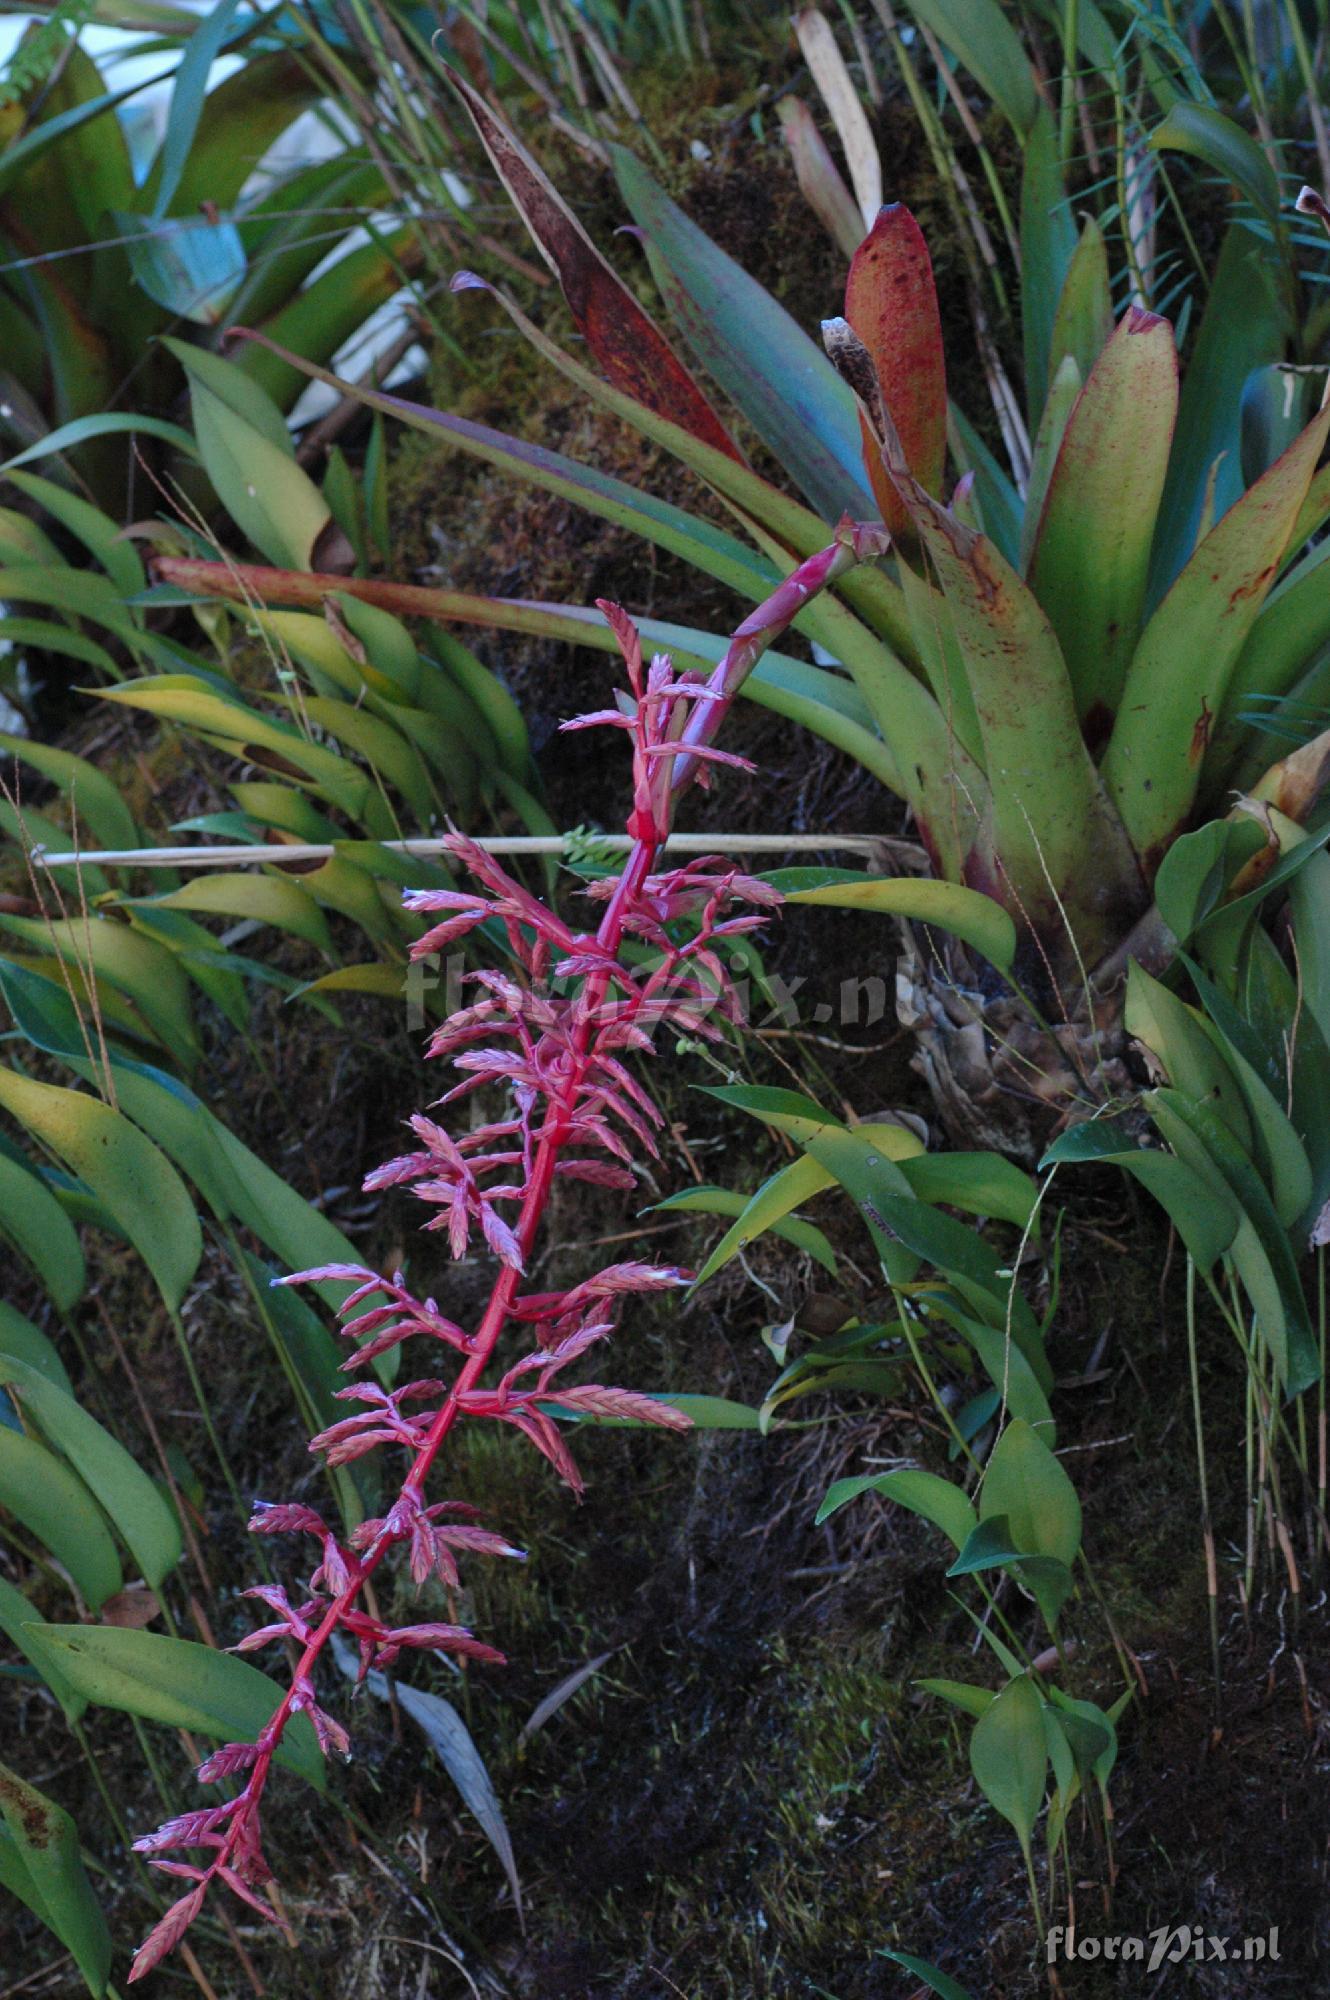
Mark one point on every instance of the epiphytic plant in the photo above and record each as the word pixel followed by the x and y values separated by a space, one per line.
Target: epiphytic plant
pixel 553 1031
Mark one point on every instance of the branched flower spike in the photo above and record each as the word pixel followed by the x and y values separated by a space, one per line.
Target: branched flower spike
pixel 553 1033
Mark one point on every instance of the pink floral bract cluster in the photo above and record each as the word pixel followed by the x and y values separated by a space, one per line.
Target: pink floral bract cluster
pixel 553 1033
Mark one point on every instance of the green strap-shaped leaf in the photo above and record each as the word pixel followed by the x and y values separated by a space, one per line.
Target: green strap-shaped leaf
pixel 1288 636
pixel 1244 326
pixel 40 1491
pixel 1260 1250
pixel 17 1617
pixel 184 1685
pixel 750 345
pixel 19 1336
pixel 937 1500
pixel 1214 139
pixel 982 39
pixel 182 699
pixel 274 899
pixel 96 801
pixel 33 1220
pixel 977 920
pixel 41 1864
pixel 1063 851
pixel 98 533
pixel 725 1201
pixel 233 1180
pixel 1048 244
pixel 1178 678
pixel 143 970
pixel 138 1186
pixel 1083 324
pixel 131 1500
pixel 1205 1217
pixel 1092 551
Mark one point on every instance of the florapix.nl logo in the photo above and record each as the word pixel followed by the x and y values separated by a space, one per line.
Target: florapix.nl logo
pixel 1170 1944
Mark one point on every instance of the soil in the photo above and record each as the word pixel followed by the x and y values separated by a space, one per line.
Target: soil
pixel 750 1796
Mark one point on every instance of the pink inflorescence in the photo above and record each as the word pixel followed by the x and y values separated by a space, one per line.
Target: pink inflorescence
pixel 553 1030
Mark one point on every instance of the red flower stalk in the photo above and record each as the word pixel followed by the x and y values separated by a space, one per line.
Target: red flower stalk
pixel 573 1108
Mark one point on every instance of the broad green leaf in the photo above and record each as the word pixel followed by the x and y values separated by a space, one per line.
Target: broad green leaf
pixel 961 1694
pixel 724 1201
pixel 1218 143
pixel 144 971
pixel 41 1863
pixel 982 1183
pixel 1286 639
pixel 977 920
pixel 938 1500
pixel 20 1337
pixel 129 1497
pixel 95 800
pixel 181 699
pixel 1206 1218
pixel 17 1616
pixel 1196 871
pixel 188 94
pixel 273 502
pixel 1051 821
pixel 40 1491
pixel 1275 1146
pixel 983 41
pixel 937 1982
pixel 1021 1389
pixel 1009 1756
pixel 230 385
pixel 266 899
pixel 1178 677
pixel 140 1189
pixel 184 1685
pixel 877 1184
pixel 993 1546
pixel 98 533
pixel 1088 1730
pixel 1092 551
pixel 387 752
pixel 750 345
pixel 1025 1482
pixel 1177 1035
pixel 33 1220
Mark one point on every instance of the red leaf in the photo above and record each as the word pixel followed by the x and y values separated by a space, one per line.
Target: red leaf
pixel 891 303
pixel 625 340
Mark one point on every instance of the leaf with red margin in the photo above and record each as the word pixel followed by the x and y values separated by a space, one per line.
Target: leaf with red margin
pixel 622 335
pixel 891 302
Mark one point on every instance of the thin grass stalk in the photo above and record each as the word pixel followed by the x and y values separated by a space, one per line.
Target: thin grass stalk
pixel 1203 1481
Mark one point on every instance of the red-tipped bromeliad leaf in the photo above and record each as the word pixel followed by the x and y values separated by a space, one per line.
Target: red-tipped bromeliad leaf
pixel 622 335
pixel 891 303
